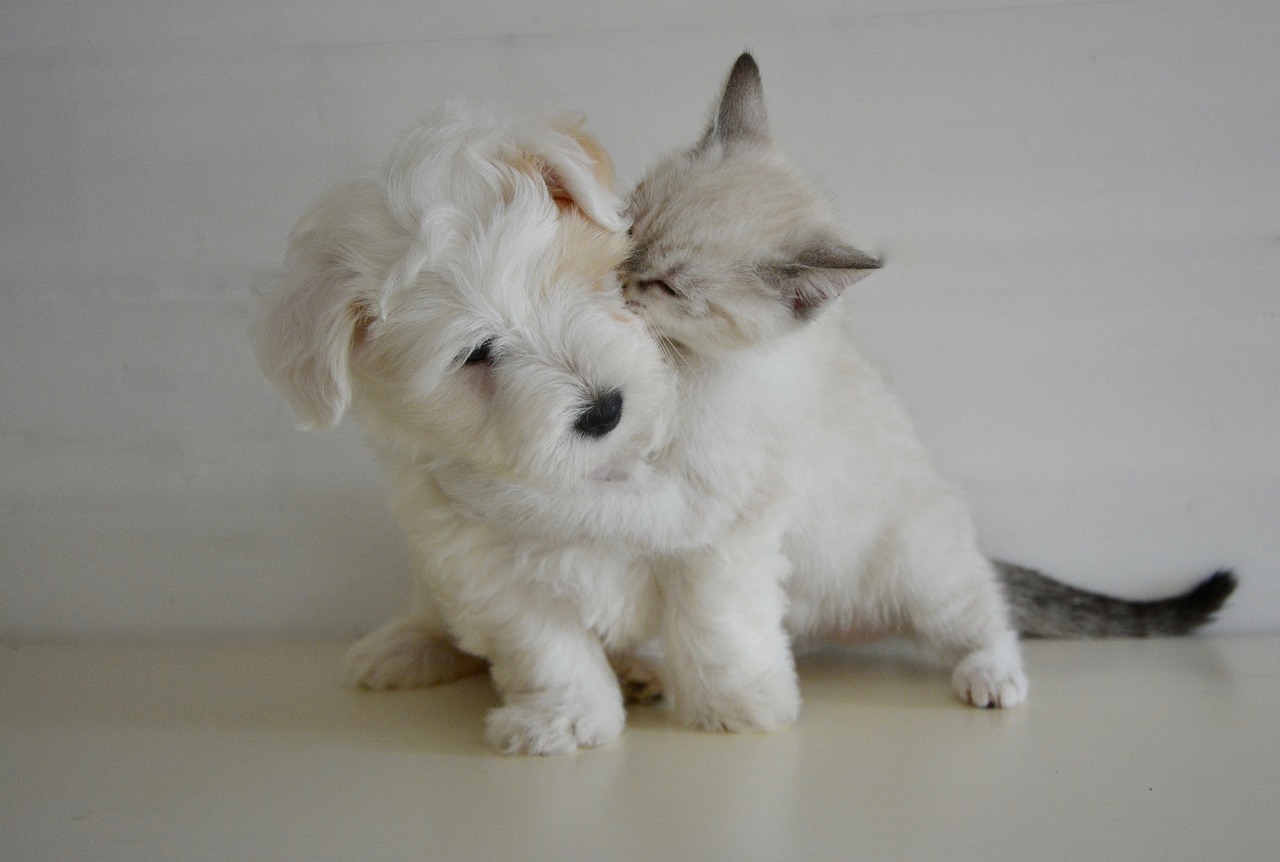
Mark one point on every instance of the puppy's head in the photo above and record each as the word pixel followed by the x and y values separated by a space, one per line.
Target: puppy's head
pixel 465 302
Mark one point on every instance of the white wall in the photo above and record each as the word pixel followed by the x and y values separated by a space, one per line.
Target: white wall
pixel 1079 205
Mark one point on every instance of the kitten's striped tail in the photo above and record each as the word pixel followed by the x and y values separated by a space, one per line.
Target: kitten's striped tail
pixel 1044 608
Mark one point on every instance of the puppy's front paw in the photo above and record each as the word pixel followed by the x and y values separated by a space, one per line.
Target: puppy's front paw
pixel 767 704
pixel 405 654
pixel 547 726
pixel 991 678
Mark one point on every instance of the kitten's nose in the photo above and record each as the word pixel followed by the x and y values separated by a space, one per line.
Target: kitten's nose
pixel 600 416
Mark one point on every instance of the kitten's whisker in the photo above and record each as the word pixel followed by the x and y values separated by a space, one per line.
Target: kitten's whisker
pixel 676 358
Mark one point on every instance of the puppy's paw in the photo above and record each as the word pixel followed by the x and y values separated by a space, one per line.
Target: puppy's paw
pixel 550 726
pixel 638 677
pixel 991 678
pixel 405 654
pixel 767 704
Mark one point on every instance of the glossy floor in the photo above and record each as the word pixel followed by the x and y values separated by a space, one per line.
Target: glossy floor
pixel 1125 750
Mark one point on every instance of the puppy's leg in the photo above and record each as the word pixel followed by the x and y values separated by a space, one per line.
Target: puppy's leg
pixel 409 652
pixel 558 691
pixel 954 603
pixel 728 657
pixel 639 674
pixel 404 653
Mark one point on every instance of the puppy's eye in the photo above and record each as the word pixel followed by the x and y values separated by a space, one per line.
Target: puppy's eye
pixel 482 353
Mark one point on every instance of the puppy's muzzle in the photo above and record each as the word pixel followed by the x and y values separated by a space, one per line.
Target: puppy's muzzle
pixel 601 415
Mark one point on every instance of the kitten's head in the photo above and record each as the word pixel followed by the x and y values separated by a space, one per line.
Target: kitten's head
pixel 733 243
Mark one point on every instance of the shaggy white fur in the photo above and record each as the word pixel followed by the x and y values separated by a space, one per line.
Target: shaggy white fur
pixel 464 304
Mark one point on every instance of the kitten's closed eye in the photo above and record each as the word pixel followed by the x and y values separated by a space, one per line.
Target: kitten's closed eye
pixel 657 285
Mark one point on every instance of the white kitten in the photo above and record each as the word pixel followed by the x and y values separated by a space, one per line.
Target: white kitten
pixel 788 452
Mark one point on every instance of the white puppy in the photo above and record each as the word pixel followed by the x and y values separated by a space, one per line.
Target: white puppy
pixel 463 304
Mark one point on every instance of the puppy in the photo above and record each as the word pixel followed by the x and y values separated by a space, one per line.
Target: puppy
pixel 463 305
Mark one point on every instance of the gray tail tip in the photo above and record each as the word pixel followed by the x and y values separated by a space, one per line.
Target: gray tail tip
pixel 1208 596
pixel 1214 590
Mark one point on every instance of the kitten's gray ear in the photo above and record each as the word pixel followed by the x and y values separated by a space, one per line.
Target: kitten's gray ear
pixel 740 116
pixel 818 274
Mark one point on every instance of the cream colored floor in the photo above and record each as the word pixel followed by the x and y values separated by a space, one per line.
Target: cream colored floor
pixel 1126 751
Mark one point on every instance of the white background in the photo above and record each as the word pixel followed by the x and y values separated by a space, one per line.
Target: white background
pixel 1079 205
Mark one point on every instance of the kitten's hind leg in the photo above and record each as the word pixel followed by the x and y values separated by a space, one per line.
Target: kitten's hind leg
pixel 954 603
pixel 969 622
pixel 991 676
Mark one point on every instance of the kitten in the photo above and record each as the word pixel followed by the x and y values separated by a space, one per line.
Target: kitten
pixel 709 222
pixel 878 540
pixel 788 452
pixel 738 269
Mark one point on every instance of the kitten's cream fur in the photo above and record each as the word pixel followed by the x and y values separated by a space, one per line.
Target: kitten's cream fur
pixel 794 491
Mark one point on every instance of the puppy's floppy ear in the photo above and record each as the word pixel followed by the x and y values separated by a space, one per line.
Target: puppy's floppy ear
pixel 579 174
pixel 817 274
pixel 304 333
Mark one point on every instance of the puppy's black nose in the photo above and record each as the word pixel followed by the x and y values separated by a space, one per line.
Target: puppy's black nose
pixel 602 415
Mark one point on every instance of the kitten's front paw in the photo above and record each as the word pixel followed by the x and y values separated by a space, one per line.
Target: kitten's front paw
pixel 991 678
pixel 768 704
pixel 405 654
pixel 545 726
